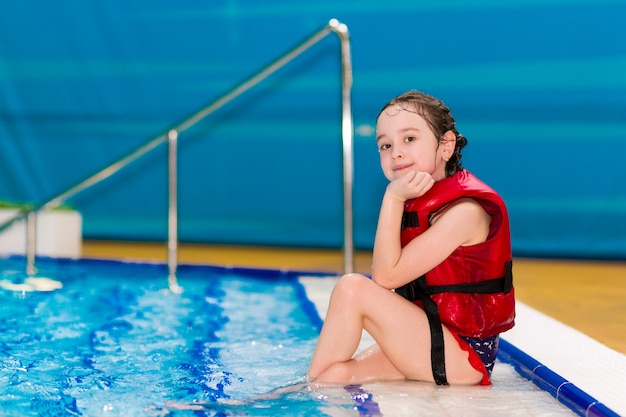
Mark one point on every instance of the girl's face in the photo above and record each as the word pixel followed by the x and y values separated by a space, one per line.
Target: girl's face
pixel 405 142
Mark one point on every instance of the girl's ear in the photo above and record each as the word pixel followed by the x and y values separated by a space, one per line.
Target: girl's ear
pixel 449 143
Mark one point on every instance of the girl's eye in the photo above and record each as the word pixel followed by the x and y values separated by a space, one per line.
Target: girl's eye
pixel 384 147
pixel 409 139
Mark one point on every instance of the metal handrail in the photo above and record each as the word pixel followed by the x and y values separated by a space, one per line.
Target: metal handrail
pixel 171 136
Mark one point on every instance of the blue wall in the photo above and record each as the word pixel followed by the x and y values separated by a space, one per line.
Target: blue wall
pixel 538 87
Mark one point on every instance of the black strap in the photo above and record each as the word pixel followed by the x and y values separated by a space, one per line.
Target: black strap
pixel 409 219
pixel 503 284
pixel 418 289
pixel 437 347
pixel 492 286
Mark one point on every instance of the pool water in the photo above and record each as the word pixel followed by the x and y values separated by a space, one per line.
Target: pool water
pixel 114 341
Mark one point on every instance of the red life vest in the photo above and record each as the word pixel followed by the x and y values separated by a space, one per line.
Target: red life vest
pixel 455 284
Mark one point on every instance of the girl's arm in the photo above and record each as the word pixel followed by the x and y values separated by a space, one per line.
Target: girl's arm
pixel 463 223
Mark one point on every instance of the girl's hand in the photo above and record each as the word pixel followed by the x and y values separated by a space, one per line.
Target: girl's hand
pixel 411 185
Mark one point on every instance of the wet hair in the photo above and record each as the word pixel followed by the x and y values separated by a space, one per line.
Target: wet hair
pixel 438 117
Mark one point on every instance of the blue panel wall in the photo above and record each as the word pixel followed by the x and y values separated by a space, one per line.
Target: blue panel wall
pixel 538 87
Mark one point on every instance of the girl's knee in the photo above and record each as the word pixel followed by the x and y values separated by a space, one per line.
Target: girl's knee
pixel 350 289
pixel 348 296
pixel 336 373
pixel 351 282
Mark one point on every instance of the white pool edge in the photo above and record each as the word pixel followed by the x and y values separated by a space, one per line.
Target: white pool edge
pixel 593 367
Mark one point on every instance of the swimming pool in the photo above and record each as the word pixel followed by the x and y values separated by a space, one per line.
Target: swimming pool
pixel 114 341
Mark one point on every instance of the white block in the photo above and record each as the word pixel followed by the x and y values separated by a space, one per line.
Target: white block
pixel 58 234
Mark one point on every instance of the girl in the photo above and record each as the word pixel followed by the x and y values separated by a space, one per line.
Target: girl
pixel 441 288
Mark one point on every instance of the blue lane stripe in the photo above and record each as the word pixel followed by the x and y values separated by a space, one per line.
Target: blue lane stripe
pixel 564 391
pixel 363 401
pixel 308 306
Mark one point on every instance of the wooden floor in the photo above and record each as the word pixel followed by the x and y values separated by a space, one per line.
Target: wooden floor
pixel 588 296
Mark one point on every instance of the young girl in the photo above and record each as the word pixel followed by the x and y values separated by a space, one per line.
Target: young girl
pixel 441 288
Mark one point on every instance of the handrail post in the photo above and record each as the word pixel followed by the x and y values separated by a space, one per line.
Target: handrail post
pixel 347 136
pixel 31 242
pixel 172 218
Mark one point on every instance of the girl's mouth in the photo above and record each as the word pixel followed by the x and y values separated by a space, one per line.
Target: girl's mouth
pixel 401 167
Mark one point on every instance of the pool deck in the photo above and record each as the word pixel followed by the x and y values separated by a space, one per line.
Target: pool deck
pixel 594 368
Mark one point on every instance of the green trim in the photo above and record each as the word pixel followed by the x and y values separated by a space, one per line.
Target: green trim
pixel 4 204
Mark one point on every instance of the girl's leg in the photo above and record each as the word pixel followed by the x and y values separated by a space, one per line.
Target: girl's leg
pixel 369 365
pixel 341 332
pixel 400 329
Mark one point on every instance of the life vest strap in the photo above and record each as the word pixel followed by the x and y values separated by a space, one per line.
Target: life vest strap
pixel 409 219
pixel 437 347
pixel 503 284
pixel 491 286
